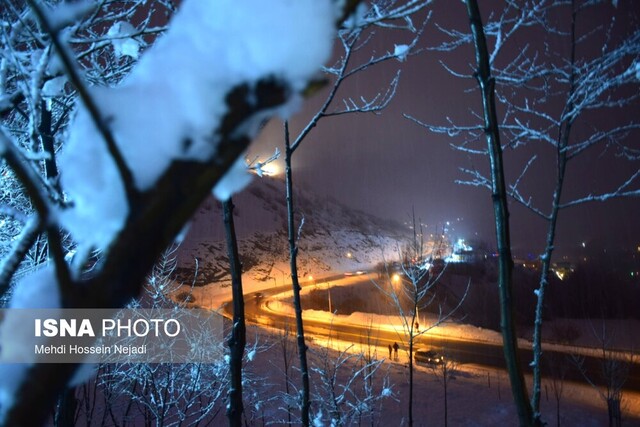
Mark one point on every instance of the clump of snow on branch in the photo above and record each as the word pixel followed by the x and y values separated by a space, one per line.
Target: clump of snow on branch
pixel 401 51
pixel 358 18
pixel 317 420
pixel 54 87
pixel 386 392
pixel 123 44
pixel 170 106
pixel 236 179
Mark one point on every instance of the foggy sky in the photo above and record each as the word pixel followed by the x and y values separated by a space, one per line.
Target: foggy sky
pixel 386 165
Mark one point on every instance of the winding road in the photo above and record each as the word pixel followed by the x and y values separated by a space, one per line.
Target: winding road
pixel 257 311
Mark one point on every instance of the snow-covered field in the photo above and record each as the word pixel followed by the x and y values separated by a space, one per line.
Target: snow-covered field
pixel 477 396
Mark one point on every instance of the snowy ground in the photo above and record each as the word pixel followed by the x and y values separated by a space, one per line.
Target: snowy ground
pixel 477 396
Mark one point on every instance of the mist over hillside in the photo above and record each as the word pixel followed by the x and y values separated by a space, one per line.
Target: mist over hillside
pixel 333 238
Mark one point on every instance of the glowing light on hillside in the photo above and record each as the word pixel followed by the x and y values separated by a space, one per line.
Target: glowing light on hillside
pixel 395 278
pixel 271 169
pixel 267 167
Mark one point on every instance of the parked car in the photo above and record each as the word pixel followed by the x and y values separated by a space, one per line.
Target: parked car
pixel 430 357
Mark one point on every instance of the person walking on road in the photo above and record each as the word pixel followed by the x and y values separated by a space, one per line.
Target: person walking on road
pixel 390 349
pixel 395 350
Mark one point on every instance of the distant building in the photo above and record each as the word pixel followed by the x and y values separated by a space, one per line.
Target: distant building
pixel 462 253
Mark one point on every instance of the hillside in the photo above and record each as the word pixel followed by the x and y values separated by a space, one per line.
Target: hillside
pixel 334 238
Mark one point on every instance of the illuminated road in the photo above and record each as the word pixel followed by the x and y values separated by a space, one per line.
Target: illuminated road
pixel 461 350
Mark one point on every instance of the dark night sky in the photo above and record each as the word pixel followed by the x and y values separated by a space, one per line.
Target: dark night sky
pixel 384 164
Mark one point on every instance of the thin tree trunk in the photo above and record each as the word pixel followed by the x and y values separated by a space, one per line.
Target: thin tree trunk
pixel 293 253
pixel 501 214
pixel 237 340
pixel 561 164
pixel 411 342
pixel 67 408
pixel 285 361
pixel 445 380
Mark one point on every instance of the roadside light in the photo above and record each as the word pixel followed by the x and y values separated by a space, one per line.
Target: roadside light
pixel 349 255
pixel 395 278
pixel 310 277
pixel 271 169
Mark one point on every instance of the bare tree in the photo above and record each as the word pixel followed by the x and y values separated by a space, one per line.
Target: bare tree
pixel 353 37
pixel 287 354
pixel 445 371
pixel 539 94
pixel 237 339
pixel 613 372
pixel 414 291
pixel 349 387
pixel 500 212
pixel 558 367
pixel 166 394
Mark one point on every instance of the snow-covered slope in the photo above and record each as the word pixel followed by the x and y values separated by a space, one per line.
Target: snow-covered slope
pixel 334 238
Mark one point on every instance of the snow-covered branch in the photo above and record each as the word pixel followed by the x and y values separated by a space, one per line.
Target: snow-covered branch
pixel 178 134
pixel 89 102
pixel 356 37
pixel 622 191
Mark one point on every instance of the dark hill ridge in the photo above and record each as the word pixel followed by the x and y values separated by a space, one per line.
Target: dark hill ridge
pixel 331 231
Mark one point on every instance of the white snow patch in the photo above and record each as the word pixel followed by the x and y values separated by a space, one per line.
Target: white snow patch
pixel 123 45
pixel 317 420
pixel 37 290
pixel 17 340
pixel 168 108
pixel 54 87
pixel 401 51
